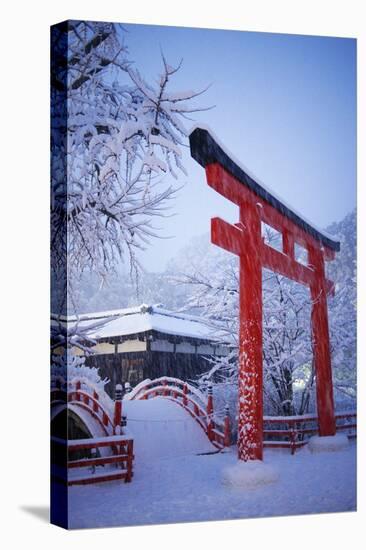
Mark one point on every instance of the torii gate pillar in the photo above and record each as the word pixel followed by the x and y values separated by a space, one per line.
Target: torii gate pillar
pixel 250 377
pixel 321 345
pixel 244 239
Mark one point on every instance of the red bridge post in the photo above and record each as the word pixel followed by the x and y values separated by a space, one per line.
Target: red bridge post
pixel 227 428
pixel 96 398
pixel 209 411
pixel 117 410
pixel 78 388
pixel 185 391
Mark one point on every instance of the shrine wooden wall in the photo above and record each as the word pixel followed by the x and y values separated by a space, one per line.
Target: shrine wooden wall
pixel 134 367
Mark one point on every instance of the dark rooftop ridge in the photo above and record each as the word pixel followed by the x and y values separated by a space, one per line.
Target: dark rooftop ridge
pixel 205 150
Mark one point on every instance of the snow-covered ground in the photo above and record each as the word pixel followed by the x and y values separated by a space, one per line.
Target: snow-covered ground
pixel 173 484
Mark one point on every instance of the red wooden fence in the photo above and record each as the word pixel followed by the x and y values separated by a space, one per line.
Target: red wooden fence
pixel 293 432
pixel 117 465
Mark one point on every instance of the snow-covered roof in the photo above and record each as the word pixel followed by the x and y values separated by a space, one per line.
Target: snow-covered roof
pixel 140 319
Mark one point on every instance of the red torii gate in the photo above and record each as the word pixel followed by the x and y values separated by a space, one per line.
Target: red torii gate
pixel 244 239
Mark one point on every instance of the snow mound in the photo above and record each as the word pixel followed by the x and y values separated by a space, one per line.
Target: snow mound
pixel 249 475
pixel 328 443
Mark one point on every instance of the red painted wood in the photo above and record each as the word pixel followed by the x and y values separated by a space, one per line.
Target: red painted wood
pixel 117 414
pixel 105 419
pixel 250 422
pixel 95 401
pixel 245 240
pixel 347 426
pixel 100 414
pixel 209 410
pixel 129 463
pixel 224 183
pixel 280 263
pixel 73 445
pixel 185 391
pixel 321 346
pixel 284 445
pixel 228 236
pixel 87 480
pixel 288 244
pixel 78 388
pixel 87 462
pixel 295 427
pixel 227 431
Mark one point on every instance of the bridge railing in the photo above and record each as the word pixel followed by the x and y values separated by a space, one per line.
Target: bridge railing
pixel 118 465
pixel 170 383
pixel 293 432
pixel 91 403
pixel 198 405
pixel 88 398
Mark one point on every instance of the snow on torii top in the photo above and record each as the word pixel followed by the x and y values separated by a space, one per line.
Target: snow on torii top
pixel 206 149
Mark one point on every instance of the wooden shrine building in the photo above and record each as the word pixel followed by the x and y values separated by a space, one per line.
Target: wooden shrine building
pixel 147 342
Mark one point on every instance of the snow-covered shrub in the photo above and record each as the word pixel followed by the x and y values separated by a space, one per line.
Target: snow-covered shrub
pixel 67 369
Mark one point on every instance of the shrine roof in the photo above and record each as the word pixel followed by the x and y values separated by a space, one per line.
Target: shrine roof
pixel 137 320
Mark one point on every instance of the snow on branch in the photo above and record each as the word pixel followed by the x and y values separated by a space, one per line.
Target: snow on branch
pixel 115 137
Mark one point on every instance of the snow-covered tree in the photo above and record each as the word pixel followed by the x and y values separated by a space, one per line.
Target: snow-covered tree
pixel 114 137
pixel 342 311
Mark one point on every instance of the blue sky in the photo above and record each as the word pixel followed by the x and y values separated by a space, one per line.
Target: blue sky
pixel 285 105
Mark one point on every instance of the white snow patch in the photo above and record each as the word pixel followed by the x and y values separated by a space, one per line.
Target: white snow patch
pixel 249 475
pixel 190 488
pixel 140 319
pixel 163 430
pixel 328 443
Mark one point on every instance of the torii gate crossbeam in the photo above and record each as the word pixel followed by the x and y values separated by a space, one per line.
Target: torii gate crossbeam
pixel 257 205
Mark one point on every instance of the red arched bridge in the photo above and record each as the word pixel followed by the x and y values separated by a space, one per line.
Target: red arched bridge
pixel 156 419
pixel 98 438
